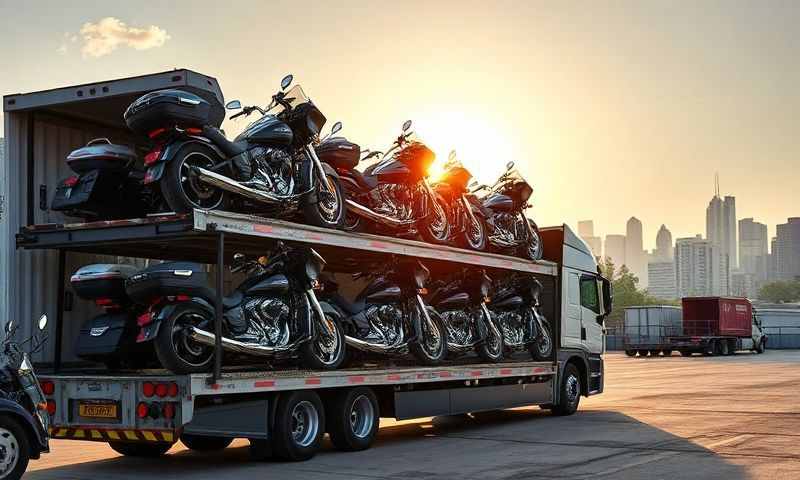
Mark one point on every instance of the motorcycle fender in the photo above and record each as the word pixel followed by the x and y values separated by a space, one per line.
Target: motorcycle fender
pixel 150 331
pixel 308 174
pixel 36 435
pixel 156 170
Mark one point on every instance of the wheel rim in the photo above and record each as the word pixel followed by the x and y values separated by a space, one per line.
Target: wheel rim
pixel 362 416
pixel 328 346
pixel 475 234
pixel 433 338
pixel 573 389
pixel 544 344
pixel 189 351
pixel 305 423
pixel 329 203
pixel 534 246
pixel 437 226
pixel 9 451
pixel 196 192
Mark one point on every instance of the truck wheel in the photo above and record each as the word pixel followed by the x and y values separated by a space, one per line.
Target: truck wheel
pixel 685 353
pixel 175 350
pixel 630 353
pixel 718 345
pixel 570 391
pixel 155 449
pixel 431 348
pixel 353 419
pixel 14 448
pixel 668 353
pixel 299 426
pixel 762 347
pixel 653 353
pixel 642 353
pixel 724 348
pixel 202 443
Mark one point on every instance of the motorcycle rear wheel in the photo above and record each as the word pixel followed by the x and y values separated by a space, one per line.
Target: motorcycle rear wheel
pixel 182 190
pixel 431 349
pixel 175 350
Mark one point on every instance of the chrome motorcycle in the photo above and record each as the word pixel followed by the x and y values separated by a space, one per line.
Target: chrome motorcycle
pixel 461 300
pixel 510 231
pixel 516 310
pixel 389 315
pixel 464 212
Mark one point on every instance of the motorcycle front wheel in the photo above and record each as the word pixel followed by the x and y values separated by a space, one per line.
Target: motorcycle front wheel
pixel 534 249
pixel 435 227
pixel 431 347
pixel 542 347
pixel 175 349
pixel 181 189
pixel 475 236
pixel 327 350
pixel 491 349
pixel 330 209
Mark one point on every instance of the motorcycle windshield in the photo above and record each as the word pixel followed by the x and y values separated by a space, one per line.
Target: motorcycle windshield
pixel 456 174
pixel 514 185
pixel 295 96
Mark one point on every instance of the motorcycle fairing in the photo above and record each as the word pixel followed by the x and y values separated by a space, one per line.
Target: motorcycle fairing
pixel 499 202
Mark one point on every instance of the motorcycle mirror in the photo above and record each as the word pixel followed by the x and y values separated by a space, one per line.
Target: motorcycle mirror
pixel 406 125
pixel 452 156
pixel 42 322
pixel 337 127
pixel 238 257
pixel 287 80
pixel 233 105
pixel 9 326
pixel 509 165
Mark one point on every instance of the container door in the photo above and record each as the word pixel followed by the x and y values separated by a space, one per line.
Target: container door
pixel 571 308
pixel 591 327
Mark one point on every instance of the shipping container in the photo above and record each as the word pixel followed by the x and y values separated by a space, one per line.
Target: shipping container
pixel 650 326
pixel 717 316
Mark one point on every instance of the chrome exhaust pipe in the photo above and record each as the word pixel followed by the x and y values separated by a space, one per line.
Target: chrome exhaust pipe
pixel 207 338
pixel 221 181
pixel 374 347
pixel 369 214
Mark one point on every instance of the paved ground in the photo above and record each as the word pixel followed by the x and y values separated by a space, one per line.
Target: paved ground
pixel 660 418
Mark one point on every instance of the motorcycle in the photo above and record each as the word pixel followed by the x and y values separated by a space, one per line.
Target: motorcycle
pixel 464 213
pixel 389 315
pixel 273 313
pixel 24 417
pixel 516 311
pixel 270 167
pixel 393 196
pixel 504 206
pixel 461 300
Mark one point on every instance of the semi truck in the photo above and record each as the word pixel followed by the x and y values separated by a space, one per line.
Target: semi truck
pixel 282 410
pixel 705 325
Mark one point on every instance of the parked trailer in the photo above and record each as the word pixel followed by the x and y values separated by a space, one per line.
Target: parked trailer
pixel 647 330
pixel 285 412
pixel 719 326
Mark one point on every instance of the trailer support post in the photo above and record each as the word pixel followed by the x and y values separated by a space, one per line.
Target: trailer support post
pixel 61 291
pixel 218 308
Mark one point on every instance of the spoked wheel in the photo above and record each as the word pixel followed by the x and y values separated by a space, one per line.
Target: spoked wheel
pixel 431 348
pixel 353 419
pixel 327 350
pixel 436 228
pixel 534 248
pixel 182 189
pixel 175 349
pixel 491 349
pixel 542 348
pixel 475 233
pixel 299 426
pixel 329 210
pixel 14 449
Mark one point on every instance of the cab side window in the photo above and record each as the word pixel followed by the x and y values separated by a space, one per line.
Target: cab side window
pixel 589 297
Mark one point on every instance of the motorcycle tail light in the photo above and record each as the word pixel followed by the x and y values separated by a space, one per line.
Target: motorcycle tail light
pixel 156 132
pixel 51 407
pixel 148 389
pixel 172 391
pixel 144 319
pixel 48 387
pixel 162 390
pixel 194 131
pixel 104 302
pixel 142 410
pixel 71 181
pixel 169 411
pixel 152 157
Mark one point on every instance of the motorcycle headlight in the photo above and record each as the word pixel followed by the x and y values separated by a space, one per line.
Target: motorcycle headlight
pixel 314 265
pixel 421 275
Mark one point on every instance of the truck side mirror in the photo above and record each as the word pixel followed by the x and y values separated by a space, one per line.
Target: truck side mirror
pixel 608 297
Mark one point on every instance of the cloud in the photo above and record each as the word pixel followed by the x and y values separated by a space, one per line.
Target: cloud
pixel 109 33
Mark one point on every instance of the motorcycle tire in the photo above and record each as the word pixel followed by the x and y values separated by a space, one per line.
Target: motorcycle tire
pixel 542 347
pixel 313 353
pixel 435 227
pixel 481 238
pixel 14 440
pixel 492 348
pixel 426 350
pixel 534 249
pixel 327 212
pixel 174 350
pixel 182 191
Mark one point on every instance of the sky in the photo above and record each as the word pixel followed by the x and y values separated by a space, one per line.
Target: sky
pixel 609 108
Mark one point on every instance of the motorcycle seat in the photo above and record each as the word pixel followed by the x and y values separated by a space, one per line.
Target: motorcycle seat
pixel 233 300
pixel 367 182
pixel 229 148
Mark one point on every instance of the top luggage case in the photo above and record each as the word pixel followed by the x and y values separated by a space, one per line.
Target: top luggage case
pixel 102 281
pixel 101 154
pixel 169 279
pixel 339 153
pixel 170 108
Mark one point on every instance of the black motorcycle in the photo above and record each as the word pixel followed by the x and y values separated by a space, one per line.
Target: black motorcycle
pixel 464 213
pixel 24 417
pixel 510 232
pixel 461 300
pixel 271 167
pixel 389 315
pixel 516 311
pixel 393 196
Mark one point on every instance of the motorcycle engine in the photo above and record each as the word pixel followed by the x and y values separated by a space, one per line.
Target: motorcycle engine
pixel 507 231
pixel 386 324
pixel 268 320
pixel 272 169
pixel 459 326
pixel 514 328
pixel 394 200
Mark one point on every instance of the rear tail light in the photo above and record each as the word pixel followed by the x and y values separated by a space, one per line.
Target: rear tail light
pixel 152 157
pixel 194 131
pixel 162 390
pixel 148 389
pixel 104 302
pixel 156 132
pixel 48 387
pixel 144 319
pixel 142 410
pixel 172 391
pixel 71 181
pixel 51 407
pixel 169 411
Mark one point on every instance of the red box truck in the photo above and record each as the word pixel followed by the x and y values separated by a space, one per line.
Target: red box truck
pixel 718 326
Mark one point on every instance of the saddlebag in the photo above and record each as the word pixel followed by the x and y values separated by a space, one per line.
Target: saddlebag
pixel 101 154
pixel 172 108
pixel 338 152
pixel 107 337
pixel 169 279
pixel 102 281
pixel 99 194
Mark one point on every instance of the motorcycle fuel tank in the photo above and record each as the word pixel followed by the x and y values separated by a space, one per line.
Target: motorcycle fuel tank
pixel 454 302
pixel 499 203
pixel 274 284
pixel 392 172
pixel 267 130
pixel 381 291
pixel 509 303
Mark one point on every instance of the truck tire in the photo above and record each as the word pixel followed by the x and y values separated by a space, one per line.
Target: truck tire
pixel 630 353
pixel 15 445
pixel 762 346
pixel 668 352
pixel 299 426
pixel 140 449
pixel 202 443
pixel 570 391
pixel 724 348
pixel 353 419
pixel 654 353
pixel 685 353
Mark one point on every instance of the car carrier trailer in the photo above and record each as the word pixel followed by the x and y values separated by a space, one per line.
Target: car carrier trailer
pixel 142 413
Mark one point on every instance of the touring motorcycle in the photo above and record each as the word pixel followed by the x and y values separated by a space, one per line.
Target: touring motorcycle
pixel 24 410
pixel 389 315
pixel 516 312
pixel 393 196
pixel 270 167
pixel 504 208
pixel 461 300
pixel 463 208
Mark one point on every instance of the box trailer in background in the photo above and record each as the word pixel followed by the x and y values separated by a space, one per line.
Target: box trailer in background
pixel 647 329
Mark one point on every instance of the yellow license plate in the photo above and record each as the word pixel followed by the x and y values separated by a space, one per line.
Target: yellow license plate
pixel 97 410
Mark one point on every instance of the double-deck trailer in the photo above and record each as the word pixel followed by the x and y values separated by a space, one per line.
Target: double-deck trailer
pixel 145 412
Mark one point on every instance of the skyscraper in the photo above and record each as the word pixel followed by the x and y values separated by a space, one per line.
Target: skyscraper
pixel 753 255
pixel 663 244
pixel 700 269
pixel 661 279
pixel 787 250
pixel 615 249
pixel 635 257
pixel 586 232
pixel 585 228
pixel 721 225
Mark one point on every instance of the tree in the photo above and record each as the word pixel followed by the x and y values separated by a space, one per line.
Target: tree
pixel 624 286
pixel 780 291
